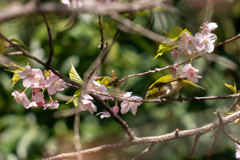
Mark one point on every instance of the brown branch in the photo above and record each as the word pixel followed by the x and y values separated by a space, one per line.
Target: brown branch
pixel 153 139
pixel 76 134
pixel 230 136
pixel 194 146
pixel 101 46
pixel 50 40
pixel 227 41
pixel 141 74
pixel 147 150
pixel 16 10
pixel 25 53
pixel 115 116
pixel 138 28
pixel 170 99
pixel 233 106
pixel 216 135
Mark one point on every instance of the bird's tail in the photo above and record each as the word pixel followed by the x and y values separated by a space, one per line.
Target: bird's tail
pixel 187 82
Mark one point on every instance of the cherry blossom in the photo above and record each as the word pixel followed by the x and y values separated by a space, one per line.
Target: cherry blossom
pixel 42 102
pixel 54 84
pixel 33 104
pixel 175 53
pixel 237 154
pixel 32 78
pixel 21 97
pixel 190 73
pixel 87 104
pixel 211 26
pixel 106 114
pixel 74 4
pixel 187 42
pixel 100 88
pixel 174 70
pixel 51 105
pixel 127 105
pixel 205 40
pixel 37 95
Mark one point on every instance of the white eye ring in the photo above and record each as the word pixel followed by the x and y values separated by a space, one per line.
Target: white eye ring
pixel 147 93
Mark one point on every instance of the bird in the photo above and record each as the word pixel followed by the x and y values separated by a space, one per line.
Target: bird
pixel 167 85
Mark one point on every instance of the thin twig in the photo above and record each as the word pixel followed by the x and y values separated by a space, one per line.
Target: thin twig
pixel 231 137
pixel 137 28
pixel 50 40
pixel 101 46
pixel 233 106
pixel 25 53
pixel 227 41
pixel 153 139
pixel 216 135
pixel 147 150
pixel 76 134
pixel 169 99
pixel 194 146
pixel 17 10
pixel 115 116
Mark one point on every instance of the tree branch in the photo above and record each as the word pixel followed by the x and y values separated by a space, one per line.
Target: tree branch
pixel 152 139
pixel 115 116
pixel 25 53
pixel 194 146
pixel 16 10
pixel 149 149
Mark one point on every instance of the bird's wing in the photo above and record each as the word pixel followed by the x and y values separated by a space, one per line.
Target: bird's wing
pixel 163 80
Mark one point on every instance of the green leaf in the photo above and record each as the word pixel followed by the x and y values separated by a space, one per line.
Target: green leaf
pixel 75 99
pixel 74 75
pixel 19 42
pixel 163 47
pixel 175 32
pixel 233 88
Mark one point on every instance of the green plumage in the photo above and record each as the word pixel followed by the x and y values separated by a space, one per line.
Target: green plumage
pixel 167 85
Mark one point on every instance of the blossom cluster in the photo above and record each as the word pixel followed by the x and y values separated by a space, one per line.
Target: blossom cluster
pixel 201 41
pixel 188 43
pixel 35 79
pixel 86 102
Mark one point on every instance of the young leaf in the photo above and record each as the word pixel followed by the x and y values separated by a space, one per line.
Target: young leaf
pixel 163 47
pixel 74 75
pixel 175 32
pixel 19 42
pixel 233 88
pixel 75 99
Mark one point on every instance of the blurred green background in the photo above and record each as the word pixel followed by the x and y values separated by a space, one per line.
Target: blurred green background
pixel 34 133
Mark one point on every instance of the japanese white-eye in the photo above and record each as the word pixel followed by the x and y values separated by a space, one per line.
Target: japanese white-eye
pixel 167 85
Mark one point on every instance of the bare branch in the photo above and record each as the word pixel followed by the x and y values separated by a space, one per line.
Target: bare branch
pixel 17 10
pixel 194 146
pixel 230 136
pixel 137 28
pixel 115 116
pixel 50 40
pixel 76 133
pixel 154 139
pixel 149 149
pixel 170 99
pixel 101 46
pixel 227 41
pixel 25 53
pixel 216 134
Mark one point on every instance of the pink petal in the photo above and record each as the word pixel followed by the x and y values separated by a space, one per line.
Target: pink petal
pixel 125 107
